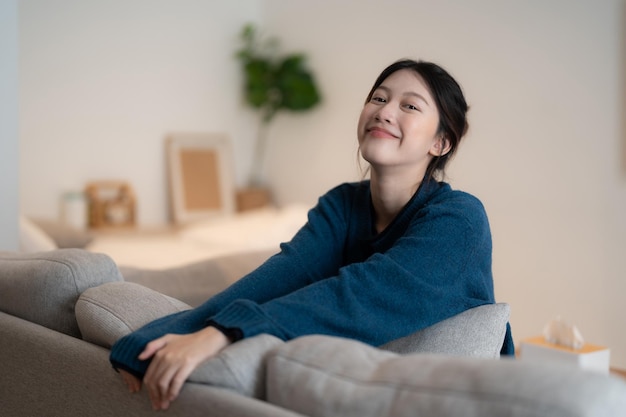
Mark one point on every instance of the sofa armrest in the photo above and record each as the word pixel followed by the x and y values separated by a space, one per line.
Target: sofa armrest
pixel 44 287
pixel 478 332
pixel 45 373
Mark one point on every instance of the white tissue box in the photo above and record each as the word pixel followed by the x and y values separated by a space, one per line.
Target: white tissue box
pixel 589 357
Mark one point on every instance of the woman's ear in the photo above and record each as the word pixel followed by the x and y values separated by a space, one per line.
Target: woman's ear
pixel 440 147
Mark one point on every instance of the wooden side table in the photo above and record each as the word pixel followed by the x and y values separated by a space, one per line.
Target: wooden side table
pixel 252 197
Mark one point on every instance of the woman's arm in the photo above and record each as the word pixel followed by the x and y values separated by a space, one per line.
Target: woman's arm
pixel 314 253
pixel 439 267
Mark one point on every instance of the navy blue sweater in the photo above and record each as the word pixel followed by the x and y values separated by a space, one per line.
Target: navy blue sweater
pixel 337 276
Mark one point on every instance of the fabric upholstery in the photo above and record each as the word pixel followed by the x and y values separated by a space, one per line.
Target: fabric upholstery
pixel 197 282
pixel 240 367
pixel 326 376
pixel 44 287
pixel 110 311
pixel 477 332
pixel 45 373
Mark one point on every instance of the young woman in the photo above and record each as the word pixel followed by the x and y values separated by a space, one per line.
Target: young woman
pixel 376 261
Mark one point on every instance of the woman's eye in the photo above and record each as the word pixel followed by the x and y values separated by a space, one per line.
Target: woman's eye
pixel 378 99
pixel 412 107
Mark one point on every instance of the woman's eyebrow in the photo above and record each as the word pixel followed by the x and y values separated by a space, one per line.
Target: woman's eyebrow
pixel 382 87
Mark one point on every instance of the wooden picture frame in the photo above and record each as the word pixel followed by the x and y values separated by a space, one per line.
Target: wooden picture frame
pixel 200 176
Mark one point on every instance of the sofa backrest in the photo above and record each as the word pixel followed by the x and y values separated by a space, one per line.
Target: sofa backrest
pixel 44 287
pixel 478 332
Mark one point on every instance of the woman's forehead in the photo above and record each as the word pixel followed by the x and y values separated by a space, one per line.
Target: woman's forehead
pixel 407 82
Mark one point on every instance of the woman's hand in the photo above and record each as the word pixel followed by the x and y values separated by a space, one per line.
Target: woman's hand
pixel 174 358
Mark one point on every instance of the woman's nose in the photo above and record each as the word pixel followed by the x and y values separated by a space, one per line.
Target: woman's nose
pixel 384 114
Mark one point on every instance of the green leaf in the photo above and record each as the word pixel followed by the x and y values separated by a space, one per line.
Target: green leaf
pixel 273 83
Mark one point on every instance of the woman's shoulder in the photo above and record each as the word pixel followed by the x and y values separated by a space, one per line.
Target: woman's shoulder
pixel 459 196
pixel 450 199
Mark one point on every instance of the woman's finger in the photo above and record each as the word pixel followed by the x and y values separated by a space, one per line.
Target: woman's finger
pixel 153 347
pixel 174 357
pixel 178 380
pixel 163 369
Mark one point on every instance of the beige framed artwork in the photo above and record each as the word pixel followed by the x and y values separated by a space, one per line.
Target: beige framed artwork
pixel 200 176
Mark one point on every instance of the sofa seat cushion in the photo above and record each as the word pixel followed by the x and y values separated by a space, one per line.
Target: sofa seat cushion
pixel 51 283
pixel 329 376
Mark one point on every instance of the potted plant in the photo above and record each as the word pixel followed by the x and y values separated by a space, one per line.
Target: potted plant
pixel 273 82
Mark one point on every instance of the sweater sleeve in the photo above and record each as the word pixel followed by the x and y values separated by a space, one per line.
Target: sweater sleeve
pixel 314 252
pixel 439 267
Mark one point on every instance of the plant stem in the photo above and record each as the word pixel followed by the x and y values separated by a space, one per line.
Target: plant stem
pixel 259 154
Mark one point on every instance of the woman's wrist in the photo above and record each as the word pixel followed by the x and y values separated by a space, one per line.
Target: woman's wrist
pixel 232 333
pixel 218 338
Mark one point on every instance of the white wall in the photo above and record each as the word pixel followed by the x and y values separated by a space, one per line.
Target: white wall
pixel 8 126
pixel 103 82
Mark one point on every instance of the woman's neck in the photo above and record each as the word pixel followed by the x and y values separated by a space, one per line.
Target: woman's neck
pixel 390 193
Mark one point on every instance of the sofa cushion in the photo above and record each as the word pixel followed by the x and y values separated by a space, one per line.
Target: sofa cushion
pixel 241 366
pixel 477 332
pixel 329 376
pixel 196 282
pixel 113 310
pixel 51 282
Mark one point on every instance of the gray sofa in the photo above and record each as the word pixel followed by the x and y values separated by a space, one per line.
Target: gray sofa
pixel 61 310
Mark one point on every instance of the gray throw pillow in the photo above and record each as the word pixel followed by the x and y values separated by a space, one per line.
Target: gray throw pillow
pixel 51 281
pixel 477 332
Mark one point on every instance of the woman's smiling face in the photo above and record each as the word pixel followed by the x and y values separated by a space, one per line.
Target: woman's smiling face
pixel 398 126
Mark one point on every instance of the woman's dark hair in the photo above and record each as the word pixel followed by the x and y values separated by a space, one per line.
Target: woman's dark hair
pixel 450 103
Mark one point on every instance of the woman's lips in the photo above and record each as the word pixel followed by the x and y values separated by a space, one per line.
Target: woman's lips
pixel 379 132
